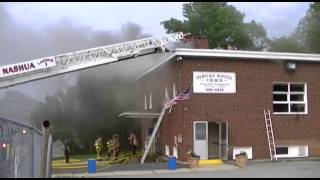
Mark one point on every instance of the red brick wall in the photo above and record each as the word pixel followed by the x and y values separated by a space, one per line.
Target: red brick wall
pixel 200 42
pixel 244 110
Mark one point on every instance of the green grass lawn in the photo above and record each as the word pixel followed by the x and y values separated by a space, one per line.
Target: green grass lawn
pixel 80 161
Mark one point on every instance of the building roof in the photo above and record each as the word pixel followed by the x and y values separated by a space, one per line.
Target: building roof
pixel 146 115
pixel 230 54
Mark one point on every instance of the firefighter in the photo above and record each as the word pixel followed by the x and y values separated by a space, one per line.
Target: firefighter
pixel 115 146
pixel 109 148
pixel 67 151
pixel 98 145
pixel 133 142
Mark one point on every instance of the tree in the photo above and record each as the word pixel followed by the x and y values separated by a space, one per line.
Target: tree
pixel 286 44
pixel 258 36
pixel 220 23
pixel 308 30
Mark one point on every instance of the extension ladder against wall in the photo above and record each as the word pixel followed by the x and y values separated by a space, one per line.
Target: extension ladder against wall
pixel 272 148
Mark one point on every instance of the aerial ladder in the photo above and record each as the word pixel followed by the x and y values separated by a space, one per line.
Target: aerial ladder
pixel 45 67
pixel 19 73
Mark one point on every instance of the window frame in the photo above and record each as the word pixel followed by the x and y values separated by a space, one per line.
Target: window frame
pixel 145 102
pixel 150 101
pixel 166 94
pixel 289 93
pixel 293 151
pixel 174 90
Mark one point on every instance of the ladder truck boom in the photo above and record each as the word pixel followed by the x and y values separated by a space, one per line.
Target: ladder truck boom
pixel 23 72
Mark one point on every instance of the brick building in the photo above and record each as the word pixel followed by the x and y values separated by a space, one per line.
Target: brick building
pixel 225 112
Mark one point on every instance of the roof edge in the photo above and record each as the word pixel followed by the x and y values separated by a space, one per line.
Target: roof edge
pixel 305 57
pixel 248 54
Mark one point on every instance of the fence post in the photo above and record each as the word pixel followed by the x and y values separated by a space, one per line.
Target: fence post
pixel 44 149
pixel 49 156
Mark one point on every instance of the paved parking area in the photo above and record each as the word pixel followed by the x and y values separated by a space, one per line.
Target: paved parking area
pixel 281 169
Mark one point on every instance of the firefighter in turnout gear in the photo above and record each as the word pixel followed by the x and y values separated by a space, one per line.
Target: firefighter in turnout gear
pixel 98 145
pixel 115 146
pixel 109 148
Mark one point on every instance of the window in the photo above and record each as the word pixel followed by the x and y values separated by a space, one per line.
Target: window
pixel 174 90
pixel 281 150
pixel 166 94
pixel 292 151
pixel 201 131
pixel 150 101
pixel 145 102
pixel 290 98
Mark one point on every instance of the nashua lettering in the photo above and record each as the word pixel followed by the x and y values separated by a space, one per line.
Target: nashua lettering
pixel 18 68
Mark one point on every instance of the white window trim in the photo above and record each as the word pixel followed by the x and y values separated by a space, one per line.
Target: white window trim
pixel 293 151
pixel 150 101
pixel 166 94
pixel 145 102
pixel 174 90
pixel 288 93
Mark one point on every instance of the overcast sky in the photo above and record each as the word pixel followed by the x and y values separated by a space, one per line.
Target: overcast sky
pixel 279 18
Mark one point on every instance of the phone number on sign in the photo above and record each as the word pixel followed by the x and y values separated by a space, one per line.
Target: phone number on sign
pixel 215 89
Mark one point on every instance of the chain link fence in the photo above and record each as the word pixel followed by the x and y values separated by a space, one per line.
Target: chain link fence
pixel 20 150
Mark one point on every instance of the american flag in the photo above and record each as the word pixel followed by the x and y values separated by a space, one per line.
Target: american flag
pixel 181 97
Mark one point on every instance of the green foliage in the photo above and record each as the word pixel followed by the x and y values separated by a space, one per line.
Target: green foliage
pixel 220 23
pixel 257 34
pixel 305 38
pixel 286 44
pixel 308 30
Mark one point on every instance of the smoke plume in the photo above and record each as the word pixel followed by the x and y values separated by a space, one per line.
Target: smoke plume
pixel 20 42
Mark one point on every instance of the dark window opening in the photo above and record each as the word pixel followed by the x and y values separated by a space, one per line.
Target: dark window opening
pixel 281 150
pixel 280 87
pixel 297 107
pixel 280 108
pixel 296 97
pixel 279 97
pixel 297 87
pixel 200 131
